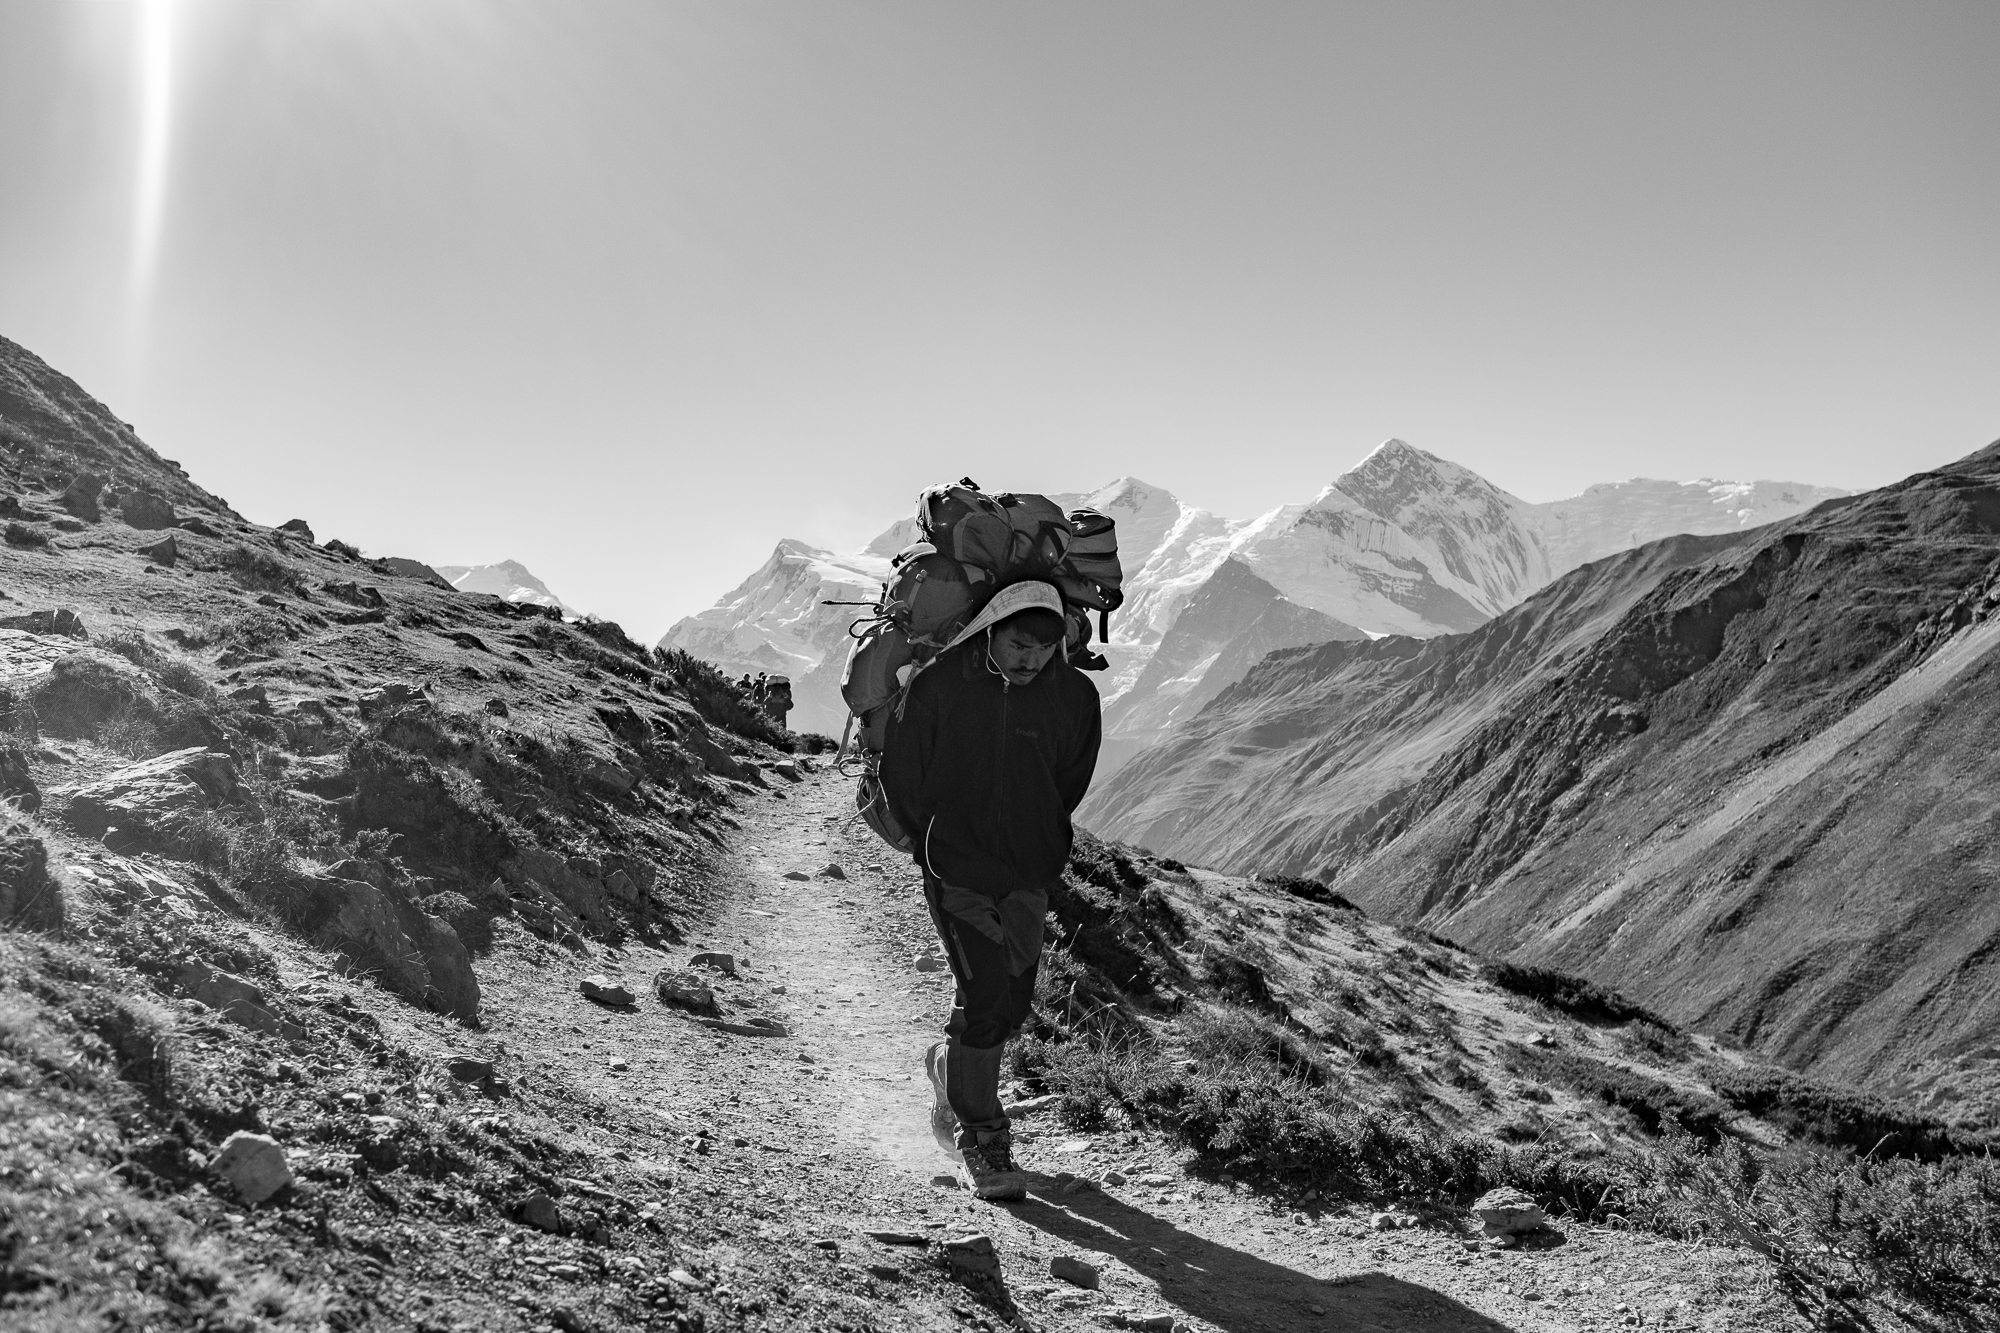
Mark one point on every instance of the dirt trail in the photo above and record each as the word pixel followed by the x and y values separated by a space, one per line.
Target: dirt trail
pixel 824 1135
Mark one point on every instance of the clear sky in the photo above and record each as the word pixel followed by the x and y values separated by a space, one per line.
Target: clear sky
pixel 628 289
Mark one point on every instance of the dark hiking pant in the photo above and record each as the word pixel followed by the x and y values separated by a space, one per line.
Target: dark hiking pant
pixel 995 949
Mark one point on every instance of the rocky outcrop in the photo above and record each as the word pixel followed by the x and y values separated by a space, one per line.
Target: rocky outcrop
pixel 369 914
pixel 143 509
pixel 146 799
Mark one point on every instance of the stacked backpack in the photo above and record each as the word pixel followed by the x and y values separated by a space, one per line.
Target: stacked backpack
pixel 973 545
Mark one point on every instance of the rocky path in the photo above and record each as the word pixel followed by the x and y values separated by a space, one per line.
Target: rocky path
pixel 794 1148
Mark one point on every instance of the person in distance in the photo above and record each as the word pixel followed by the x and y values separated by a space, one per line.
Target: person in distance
pixel 990 754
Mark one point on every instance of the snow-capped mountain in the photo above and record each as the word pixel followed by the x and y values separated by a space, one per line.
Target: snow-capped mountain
pixel 1404 542
pixel 509 580
pixel 1619 515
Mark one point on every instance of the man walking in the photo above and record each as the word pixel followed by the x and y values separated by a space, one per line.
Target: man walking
pixel 991 751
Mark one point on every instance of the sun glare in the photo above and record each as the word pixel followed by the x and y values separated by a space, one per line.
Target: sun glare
pixel 155 102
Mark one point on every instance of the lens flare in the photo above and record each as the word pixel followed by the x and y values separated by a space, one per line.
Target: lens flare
pixel 155 101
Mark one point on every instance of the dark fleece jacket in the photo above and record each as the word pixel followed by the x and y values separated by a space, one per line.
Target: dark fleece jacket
pixel 985 774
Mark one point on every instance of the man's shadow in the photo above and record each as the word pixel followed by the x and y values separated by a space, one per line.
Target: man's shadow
pixel 1234 1290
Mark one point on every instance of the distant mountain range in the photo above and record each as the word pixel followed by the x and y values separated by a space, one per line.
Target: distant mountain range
pixel 509 580
pixel 1749 778
pixel 1403 543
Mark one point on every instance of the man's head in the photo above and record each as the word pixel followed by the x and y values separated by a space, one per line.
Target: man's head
pixel 1022 644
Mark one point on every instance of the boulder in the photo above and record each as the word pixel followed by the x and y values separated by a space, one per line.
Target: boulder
pixel 298 527
pixel 683 990
pixel 787 770
pixel 149 796
pixel 1508 1212
pixel 411 952
pixel 604 990
pixel 17 781
pixel 355 594
pixel 253 1165
pixel 403 567
pixel 80 496
pixel 143 509
pixel 238 1000
pixel 165 551
pixel 29 898
pixel 832 870
pixel 715 962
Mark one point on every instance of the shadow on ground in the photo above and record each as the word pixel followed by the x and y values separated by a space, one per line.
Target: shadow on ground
pixel 1236 1291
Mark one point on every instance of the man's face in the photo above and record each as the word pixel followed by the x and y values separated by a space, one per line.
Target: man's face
pixel 1017 654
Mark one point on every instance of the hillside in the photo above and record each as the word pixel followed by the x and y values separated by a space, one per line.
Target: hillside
pixel 377 955
pixel 1743 777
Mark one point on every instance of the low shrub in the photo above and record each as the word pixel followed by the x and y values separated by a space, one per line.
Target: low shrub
pixel 720 700
pixel 1311 890
pixel 1653 1102
pixel 260 571
pixel 1572 995
pixel 1842 1117
pixel 1095 861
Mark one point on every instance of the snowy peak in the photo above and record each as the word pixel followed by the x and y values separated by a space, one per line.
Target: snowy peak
pixel 509 580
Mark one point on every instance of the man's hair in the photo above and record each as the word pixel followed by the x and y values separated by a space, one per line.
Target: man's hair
pixel 1038 623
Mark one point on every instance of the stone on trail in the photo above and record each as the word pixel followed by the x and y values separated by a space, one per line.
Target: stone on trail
pixel 719 962
pixel 683 990
pixel 786 769
pixel 928 963
pixel 253 1165
pixel 832 870
pixel 945 1180
pixel 796 873
pixel 972 1254
pixel 1508 1212
pixel 1071 1269
pixel 1114 1177
pixel 887 1272
pixel 604 990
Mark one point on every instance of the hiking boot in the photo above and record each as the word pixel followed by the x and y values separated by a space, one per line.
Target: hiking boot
pixel 990 1169
pixel 944 1122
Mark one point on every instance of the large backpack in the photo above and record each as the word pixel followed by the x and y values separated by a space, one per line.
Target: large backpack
pixel 974 543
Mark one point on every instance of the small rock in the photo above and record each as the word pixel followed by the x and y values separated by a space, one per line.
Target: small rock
pixel 1387 1221
pixel 945 1180
pixel 798 874
pixel 683 990
pixel 832 870
pixel 298 527
pixel 719 962
pixel 887 1272
pixel 1073 1270
pixel 875 867
pixel 826 1243
pixel 497 707
pixel 972 1254
pixel 898 1238
pixel 1508 1212
pixel 786 769
pixel 353 1101
pixel 1081 1185
pixel 1030 1105
pixel 928 963
pixel 539 1211
pixel 1114 1177
pixel 618 1062
pixel 253 1164
pixel 470 1068
pixel 1156 1180
pixel 604 990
